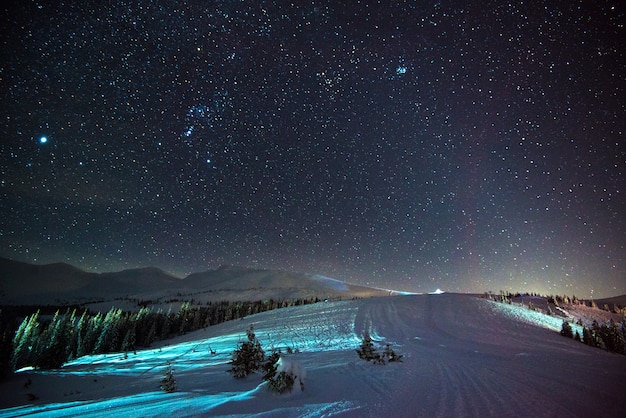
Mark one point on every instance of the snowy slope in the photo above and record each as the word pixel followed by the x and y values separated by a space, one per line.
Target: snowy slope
pixel 463 357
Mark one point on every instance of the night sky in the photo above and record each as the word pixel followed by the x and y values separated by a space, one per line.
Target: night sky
pixel 467 146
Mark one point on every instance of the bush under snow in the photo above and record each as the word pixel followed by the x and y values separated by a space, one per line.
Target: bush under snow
pixel 285 373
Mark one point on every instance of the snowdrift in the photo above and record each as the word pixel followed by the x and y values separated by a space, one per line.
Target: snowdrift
pixel 463 357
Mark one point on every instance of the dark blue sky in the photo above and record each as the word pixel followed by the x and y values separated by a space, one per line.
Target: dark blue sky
pixel 469 146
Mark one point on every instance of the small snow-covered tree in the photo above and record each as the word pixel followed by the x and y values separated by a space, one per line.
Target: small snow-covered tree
pixel 248 357
pixel 168 382
pixel 367 351
pixel 269 367
pixel 284 373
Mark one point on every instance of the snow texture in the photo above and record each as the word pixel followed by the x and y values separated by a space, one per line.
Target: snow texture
pixel 463 357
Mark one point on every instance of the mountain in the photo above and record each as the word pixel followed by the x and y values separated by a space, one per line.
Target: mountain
pixel 22 281
pixel 60 283
pixel 55 284
pixel 252 284
pixel 462 357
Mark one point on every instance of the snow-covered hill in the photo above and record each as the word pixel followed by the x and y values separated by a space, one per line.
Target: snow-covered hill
pixel 62 284
pixel 463 357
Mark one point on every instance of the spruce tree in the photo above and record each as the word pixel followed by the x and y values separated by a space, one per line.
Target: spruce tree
pixel 168 382
pixel 566 330
pixel 367 351
pixel 24 342
pixel 55 342
pixel 588 337
pixel 248 357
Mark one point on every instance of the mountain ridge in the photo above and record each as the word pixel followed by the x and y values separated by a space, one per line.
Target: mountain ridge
pixel 61 283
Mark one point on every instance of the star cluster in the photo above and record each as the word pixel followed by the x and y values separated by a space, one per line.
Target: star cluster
pixel 469 146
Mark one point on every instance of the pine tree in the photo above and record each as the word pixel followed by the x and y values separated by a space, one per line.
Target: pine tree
pixel 55 342
pixel 282 373
pixel 367 351
pixel 248 357
pixel 94 327
pixel 109 338
pixel 269 367
pixel 128 343
pixel 168 382
pixel 566 330
pixel 24 342
pixel 588 337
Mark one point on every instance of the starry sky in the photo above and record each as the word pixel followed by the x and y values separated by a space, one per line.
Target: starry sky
pixel 414 145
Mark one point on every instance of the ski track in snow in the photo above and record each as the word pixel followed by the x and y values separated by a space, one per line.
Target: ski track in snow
pixel 463 357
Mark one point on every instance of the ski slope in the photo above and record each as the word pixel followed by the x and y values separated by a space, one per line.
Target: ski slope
pixel 463 357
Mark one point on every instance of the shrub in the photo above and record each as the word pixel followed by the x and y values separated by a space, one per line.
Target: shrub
pixel 391 355
pixel 283 373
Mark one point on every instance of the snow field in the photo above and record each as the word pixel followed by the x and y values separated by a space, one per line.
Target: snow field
pixel 463 357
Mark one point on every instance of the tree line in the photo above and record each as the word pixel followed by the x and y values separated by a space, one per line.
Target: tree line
pixel 610 336
pixel 556 300
pixel 49 343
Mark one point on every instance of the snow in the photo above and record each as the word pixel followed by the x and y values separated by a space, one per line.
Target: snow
pixel 462 356
pixel 292 367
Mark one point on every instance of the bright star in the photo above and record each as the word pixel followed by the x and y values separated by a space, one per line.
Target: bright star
pixel 43 140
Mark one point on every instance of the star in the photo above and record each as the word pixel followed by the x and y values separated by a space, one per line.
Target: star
pixel 398 146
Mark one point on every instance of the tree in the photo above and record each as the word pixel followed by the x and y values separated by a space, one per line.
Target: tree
pixel 129 341
pixel 56 341
pixel 248 357
pixel 269 367
pixel 168 382
pixel 283 373
pixel 566 330
pixel 367 351
pixel 109 338
pixel 588 337
pixel 24 342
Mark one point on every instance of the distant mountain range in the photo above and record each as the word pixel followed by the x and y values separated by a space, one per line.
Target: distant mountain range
pixel 60 283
